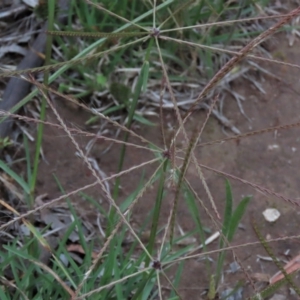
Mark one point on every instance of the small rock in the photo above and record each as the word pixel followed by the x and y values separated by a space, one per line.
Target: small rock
pixel 271 214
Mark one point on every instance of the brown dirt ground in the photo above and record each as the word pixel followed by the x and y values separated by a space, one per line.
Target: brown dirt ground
pixel 250 159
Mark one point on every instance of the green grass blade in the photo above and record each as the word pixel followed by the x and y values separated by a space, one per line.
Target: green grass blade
pixel 132 109
pixel 225 230
pixel 228 208
pixel 16 177
pixel 2 294
pixel 51 15
pixel 192 206
pixel 142 120
pixel 176 280
pixel 142 284
pixel 230 225
pixel 157 211
pixel 145 75
pixel 237 216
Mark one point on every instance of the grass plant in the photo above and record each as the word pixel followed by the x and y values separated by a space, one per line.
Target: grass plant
pixel 123 61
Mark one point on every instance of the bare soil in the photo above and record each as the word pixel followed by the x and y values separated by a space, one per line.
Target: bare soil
pixel 270 160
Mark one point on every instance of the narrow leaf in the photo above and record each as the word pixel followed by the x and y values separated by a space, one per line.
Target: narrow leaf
pixel 16 177
pixel 228 208
pixel 145 76
pixel 236 217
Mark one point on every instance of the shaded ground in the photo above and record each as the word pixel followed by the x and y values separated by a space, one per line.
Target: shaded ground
pixel 270 160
